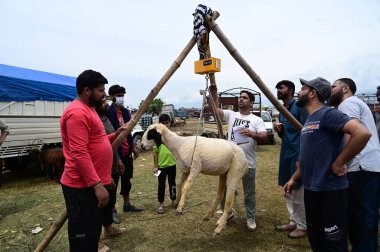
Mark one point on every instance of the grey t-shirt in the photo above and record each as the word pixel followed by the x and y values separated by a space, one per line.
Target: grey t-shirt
pixel 369 157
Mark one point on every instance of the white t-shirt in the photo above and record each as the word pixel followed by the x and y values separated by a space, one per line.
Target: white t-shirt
pixel 256 124
pixel 369 157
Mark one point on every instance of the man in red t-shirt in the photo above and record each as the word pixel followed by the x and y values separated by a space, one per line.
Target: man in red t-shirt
pixel 88 153
pixel 118 115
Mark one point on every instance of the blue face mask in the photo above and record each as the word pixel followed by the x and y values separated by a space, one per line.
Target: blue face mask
pixel 119 101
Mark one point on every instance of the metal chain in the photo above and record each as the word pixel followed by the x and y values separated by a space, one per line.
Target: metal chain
pixel 207 77
pixel 201 119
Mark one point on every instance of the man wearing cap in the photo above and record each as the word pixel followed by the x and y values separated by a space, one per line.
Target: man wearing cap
pixel 323 159
pixel 363 172
pixel 119 115
pixel 288 175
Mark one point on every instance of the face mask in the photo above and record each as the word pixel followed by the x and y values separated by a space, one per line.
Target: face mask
pixel 119 101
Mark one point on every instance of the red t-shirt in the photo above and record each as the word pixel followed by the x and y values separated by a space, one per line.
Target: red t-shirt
pixel 124 144
pixel 86 147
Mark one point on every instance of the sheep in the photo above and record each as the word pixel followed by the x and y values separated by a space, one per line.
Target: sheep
pixel 51 159
pixel 210 156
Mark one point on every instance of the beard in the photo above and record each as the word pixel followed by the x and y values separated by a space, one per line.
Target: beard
pixel 336 98
pixel 95 102
pixel 279 96
pixel 302 101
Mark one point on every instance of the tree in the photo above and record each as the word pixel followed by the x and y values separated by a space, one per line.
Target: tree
pixel 155 106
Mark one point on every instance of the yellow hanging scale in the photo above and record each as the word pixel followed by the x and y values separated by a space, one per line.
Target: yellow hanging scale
pixel 209 65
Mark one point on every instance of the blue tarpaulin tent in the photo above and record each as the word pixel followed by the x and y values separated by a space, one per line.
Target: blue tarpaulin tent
pixel 21 84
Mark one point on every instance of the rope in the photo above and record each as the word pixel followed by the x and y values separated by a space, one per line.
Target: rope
pixel 207 77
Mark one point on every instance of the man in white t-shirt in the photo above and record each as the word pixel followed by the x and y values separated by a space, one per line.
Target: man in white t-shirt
pixel 245 129
pixel 363 171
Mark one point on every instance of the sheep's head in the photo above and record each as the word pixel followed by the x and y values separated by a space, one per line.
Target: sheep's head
pixel 152 136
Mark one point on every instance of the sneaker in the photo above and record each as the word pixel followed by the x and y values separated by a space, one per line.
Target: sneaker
pixel 131 208
pixel 115 217
pixel 251 224
pixel 160 209
pixel 287 227
pixel 297 233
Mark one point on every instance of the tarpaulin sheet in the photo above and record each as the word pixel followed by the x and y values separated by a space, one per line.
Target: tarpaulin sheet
pixel 21 84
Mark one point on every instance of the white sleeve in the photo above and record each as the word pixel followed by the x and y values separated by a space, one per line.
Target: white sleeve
pixel 351 109
pixel 226 114
pixel 260 126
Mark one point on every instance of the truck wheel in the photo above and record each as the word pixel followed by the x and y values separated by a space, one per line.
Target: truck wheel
pixel 137 142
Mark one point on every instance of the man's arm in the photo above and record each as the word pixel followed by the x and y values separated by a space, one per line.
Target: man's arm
pixel 359 136
pixel 214 96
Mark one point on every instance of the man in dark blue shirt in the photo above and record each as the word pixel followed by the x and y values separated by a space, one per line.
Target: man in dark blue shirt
pixel 323 159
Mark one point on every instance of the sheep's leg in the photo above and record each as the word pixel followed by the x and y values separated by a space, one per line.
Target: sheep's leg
pixel 218 199
pixel 189 182
pixel 231 184
pixel 179 187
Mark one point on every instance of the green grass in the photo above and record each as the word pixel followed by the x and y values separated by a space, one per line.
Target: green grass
pixel 24 203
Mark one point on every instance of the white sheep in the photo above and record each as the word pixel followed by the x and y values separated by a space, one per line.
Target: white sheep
pixel 209 156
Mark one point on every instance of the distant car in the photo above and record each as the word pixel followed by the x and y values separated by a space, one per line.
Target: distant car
pixel 265 115
pixel 137 133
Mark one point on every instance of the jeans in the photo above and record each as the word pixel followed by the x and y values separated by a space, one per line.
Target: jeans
pixel 249 188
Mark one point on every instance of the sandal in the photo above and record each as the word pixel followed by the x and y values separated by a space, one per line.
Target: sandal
pixel 114 232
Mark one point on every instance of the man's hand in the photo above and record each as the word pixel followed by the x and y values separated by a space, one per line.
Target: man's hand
pixel 119 130
pixel 246 132
pixel 288 187
pixel 339 169
pixel 155 170
pixel 101 194
pixel 278 127
pixel 135 153
pixel 121 167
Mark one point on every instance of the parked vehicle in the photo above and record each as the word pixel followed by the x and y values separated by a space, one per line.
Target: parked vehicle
pixel 265 115
pixel 31 104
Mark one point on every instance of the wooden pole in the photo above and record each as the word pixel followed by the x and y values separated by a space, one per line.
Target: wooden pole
pixel 52 232
pixel 247 68
pixel 153 93
pixel 213 99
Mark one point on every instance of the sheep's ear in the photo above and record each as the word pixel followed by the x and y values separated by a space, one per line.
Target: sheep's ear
pixel 158 140
pixel 152 134
pixel 160 127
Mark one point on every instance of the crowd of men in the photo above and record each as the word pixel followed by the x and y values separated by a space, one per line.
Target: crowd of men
pixel 329 171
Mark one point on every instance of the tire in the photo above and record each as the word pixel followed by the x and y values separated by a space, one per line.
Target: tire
pixel 137 142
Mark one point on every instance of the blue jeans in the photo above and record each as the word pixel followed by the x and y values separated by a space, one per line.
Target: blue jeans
pixel 363 210
pixel 249 188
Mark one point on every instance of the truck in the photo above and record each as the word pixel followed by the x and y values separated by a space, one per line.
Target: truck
pixel 31 104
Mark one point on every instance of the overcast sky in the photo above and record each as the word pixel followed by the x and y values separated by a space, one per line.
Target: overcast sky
pixel 133 43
